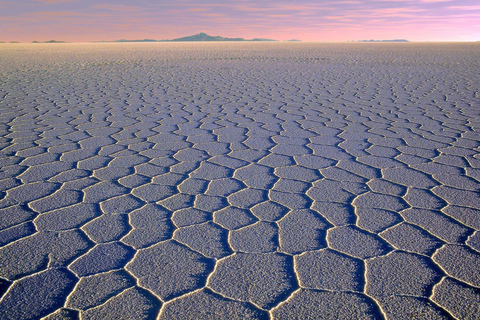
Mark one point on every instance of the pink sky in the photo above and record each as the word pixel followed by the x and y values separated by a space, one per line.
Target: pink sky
pixel 307 20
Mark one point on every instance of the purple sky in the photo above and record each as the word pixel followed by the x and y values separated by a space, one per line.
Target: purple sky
pixel 308 20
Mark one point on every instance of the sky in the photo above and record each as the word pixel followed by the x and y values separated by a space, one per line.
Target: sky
pixel 307 20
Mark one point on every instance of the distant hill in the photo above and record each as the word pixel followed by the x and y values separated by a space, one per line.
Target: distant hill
pixel 50 41
pixel 142 40
pixel 199 37
pixel 260 39
pixel 293 40
pixel 394 40
pixel 205 37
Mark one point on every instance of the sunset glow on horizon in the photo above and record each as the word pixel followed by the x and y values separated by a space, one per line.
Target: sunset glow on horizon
pixel 307 20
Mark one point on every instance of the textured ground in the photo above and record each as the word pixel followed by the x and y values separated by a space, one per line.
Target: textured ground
pixel 224 181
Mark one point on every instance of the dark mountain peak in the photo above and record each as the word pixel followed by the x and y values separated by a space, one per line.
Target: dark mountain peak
pixel 202 36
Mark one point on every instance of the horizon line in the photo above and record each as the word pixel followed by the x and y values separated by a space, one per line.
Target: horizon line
pixel 120 41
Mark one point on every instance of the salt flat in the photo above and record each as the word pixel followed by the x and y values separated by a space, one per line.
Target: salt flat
pixel 240 180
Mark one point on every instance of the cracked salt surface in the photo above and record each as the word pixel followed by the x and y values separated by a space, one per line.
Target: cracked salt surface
pixel 240 181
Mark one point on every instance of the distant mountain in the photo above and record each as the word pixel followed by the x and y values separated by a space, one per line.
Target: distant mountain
pixel 130 40
pixel 205 37
pixel 293 40
pixel 199 37
pixel 394 40
pixel 50 41
pixel 261 39
pixel 141 40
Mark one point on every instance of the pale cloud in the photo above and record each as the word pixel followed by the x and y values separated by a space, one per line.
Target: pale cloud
pixel 292 9
pixel 396 10
pixel 213 15
pixel 197 10
pixel 116 7
pixel 413 1
pixel 55 1
pixel 464 7
pixel 333 17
